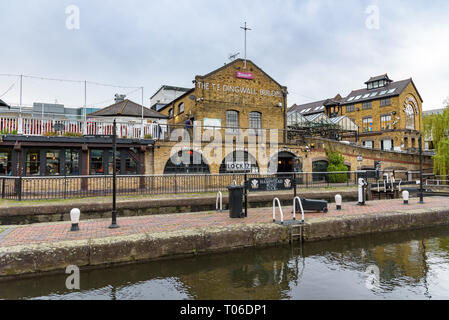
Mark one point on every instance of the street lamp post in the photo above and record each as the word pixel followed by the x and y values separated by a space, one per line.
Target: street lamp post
pixel 421 195
pixel 114 177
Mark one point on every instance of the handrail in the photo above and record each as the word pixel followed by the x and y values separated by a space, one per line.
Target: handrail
pixel 219 196
pixel 280 209
pixel 294 209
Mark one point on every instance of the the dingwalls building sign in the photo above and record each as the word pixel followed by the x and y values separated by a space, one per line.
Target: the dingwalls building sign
pixel 211 86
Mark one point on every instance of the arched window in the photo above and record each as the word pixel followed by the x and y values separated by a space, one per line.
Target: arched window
pixel 187 162
pixel 232 119
pixel 255 120
pixel 410 117
pixel 181 108
pixel 239 162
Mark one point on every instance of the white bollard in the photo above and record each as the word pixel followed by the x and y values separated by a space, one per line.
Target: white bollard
pixel 338 201
pixel 406 196
pixel 75 218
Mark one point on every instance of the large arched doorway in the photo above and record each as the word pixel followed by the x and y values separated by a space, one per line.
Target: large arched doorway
pixel 186 162
pixel 239 162
pixel 287 162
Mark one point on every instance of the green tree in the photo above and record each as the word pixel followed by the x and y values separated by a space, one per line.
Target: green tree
pixel 436 127
pixel 336 164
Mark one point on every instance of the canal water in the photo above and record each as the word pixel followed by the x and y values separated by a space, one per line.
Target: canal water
pixel 406 265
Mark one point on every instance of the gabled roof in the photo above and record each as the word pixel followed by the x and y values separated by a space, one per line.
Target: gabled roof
pixel 239 60
pixel 309 108
pixel 390 90
pixel 127 108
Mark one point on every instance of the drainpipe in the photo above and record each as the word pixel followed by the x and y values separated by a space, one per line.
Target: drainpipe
pixel 284 94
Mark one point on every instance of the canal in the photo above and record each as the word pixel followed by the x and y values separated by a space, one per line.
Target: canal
pixel 406 265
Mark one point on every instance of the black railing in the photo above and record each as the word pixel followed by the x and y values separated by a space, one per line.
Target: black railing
pixel 68 187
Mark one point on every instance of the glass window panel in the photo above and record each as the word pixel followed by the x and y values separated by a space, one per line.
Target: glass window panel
pixel 232 119
pixel 255 120
pixel 72 162
pixel 33 163
pixel 52 163
pixel 96 162
pixel 5 163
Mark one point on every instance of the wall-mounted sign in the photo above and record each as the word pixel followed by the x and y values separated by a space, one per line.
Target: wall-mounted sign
pixel 207 122
pixel 270 184
pixel 238 166
pixel 244 75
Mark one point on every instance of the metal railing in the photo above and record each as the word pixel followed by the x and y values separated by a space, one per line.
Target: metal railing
pixel 67 187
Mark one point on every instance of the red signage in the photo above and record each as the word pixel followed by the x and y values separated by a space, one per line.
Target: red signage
pixel 244 75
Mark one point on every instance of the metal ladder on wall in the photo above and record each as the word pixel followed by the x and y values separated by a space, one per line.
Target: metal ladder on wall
pixel 296 230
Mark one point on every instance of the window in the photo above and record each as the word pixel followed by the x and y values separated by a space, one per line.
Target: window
pixel 367 124
pixel 386 144
pixel 72 162
pixel 255 120
pixel 5 163
pixel 111 164
pixel 33 163
pixel 232 119
pixel 385 102
pixel 181 108
pixel 96 162
pixel 368 144
pixel 130 165
pixel 385 122
pixel 410 117
pixel 52 163
pixel 350 108
pixel 170 113
pixel 370 85
pixel 366 105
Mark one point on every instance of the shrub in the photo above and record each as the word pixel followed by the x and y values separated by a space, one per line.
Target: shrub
pixel 73 134
pixel 336 164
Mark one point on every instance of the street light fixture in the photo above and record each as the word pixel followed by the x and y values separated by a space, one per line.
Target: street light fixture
pixel 421 195
pixel 114 177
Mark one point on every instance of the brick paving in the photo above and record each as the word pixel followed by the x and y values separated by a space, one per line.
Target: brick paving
pixel 93 229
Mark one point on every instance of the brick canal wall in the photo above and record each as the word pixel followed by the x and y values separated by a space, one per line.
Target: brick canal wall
pixel 29 259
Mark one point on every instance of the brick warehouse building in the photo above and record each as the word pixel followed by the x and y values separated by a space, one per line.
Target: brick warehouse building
pixel 234 97
pixel 388 113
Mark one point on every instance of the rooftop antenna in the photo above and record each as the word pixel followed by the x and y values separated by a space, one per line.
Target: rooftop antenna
pixel 232 57
pixel 246 29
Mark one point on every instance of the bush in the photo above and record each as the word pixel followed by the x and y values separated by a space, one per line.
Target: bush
pixel 337 177
pixel 72 134
pixel 336 164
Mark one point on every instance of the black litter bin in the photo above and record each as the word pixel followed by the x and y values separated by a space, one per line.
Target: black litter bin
pixel 235 201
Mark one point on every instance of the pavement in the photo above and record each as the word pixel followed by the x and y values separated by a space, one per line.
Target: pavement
pixel 96 229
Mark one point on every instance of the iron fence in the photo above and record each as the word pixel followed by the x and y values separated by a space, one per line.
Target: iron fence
pixel 67 187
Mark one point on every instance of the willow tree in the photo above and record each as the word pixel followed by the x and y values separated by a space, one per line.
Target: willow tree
pixel 436 128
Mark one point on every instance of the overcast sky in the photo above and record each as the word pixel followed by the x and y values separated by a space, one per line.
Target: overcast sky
pixel 316 48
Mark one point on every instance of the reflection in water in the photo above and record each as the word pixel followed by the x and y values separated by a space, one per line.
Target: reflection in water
pixel 412 265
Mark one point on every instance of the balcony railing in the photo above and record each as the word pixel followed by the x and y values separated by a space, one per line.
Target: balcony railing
pixel 132 129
